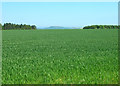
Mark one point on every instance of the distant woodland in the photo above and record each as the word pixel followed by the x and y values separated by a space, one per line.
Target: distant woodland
pixel 102 27
pixel 9 26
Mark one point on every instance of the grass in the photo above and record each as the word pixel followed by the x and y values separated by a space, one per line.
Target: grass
pixel 60 57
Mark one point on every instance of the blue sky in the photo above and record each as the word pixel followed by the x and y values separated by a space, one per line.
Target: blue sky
pixel 68 14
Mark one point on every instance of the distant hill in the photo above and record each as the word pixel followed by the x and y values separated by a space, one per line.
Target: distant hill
pixel 59 27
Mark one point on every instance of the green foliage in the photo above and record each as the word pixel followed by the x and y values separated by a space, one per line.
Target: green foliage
pixel 0 26
pixel 60 57
pixel 101 27
pixel 9 26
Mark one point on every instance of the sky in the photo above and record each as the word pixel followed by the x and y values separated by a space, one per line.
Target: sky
pixel 67 14
pixel 60 0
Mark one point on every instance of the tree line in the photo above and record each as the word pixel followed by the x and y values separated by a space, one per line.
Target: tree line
pixel 102 27
pixel 0 26
pixel 9 26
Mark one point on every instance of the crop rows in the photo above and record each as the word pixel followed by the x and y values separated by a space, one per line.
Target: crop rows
pixel 60 57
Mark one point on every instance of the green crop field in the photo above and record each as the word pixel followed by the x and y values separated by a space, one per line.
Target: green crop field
pixel 71 56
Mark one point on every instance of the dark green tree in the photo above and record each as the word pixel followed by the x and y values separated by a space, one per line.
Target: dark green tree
pixel 9 26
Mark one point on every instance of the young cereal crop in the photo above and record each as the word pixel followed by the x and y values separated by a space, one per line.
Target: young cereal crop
pixel 60 56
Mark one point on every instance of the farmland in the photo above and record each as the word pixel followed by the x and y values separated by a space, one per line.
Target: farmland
pixel 60 56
